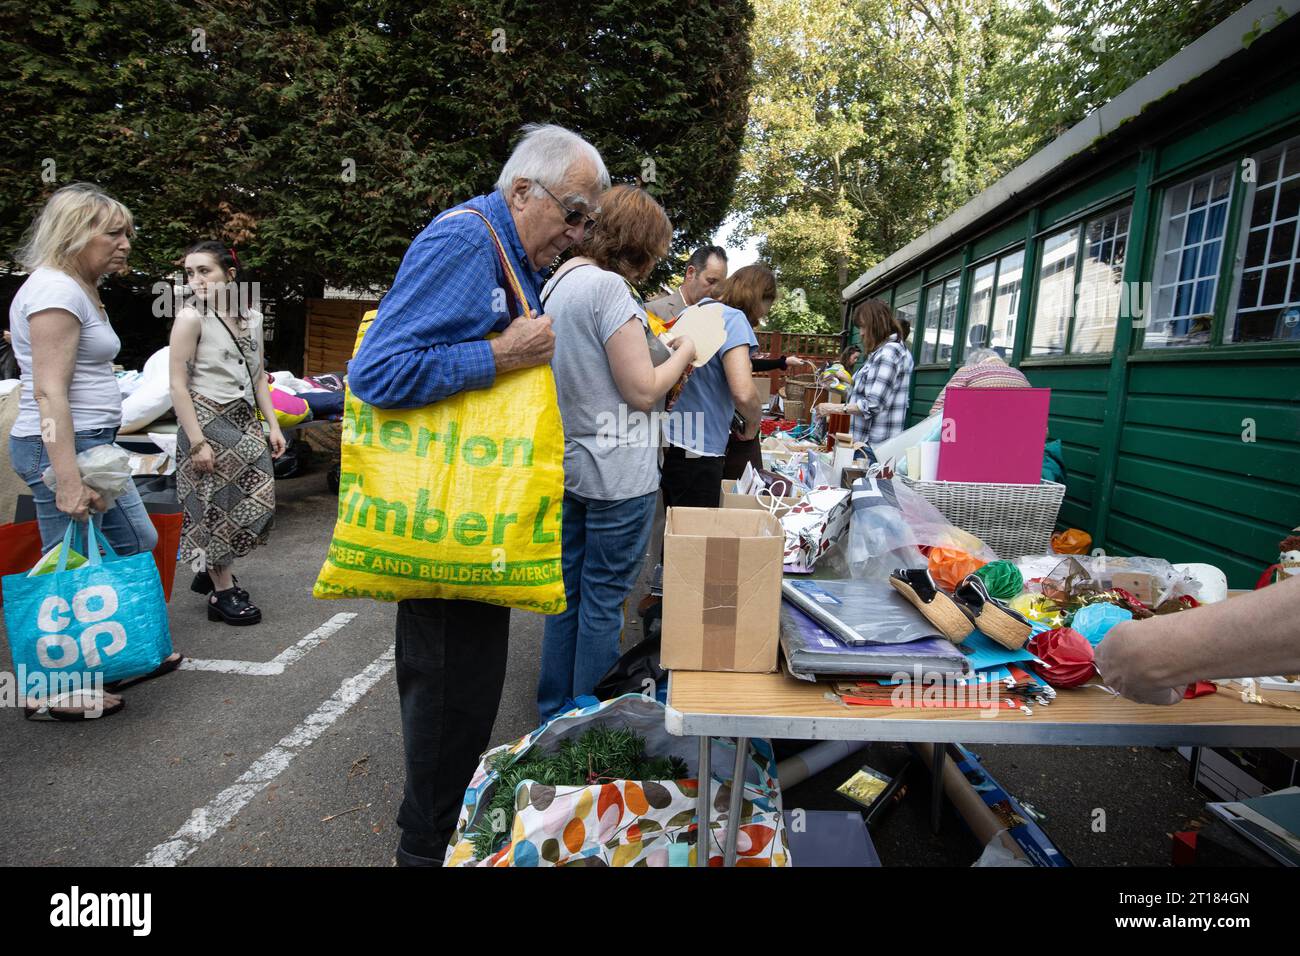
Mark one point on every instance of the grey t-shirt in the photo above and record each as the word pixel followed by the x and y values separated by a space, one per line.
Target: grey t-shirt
pixel 611 451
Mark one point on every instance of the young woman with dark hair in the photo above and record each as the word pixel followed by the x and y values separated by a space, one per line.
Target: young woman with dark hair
pixel 698 429
pixel 224 481
pixel 754 297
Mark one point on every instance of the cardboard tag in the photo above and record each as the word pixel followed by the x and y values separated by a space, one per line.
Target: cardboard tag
pixel 704 324
pixel 1141 585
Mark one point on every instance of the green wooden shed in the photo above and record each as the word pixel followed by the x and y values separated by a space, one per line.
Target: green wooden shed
pixel 1144 266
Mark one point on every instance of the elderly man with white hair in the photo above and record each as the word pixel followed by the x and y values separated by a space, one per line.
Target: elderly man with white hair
pixel 429 342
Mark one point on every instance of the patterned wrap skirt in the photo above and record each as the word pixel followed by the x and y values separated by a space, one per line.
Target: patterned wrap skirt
pixel 231 510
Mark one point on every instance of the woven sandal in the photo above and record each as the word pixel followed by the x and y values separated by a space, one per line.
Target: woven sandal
pixel 993 618
pixel 939 608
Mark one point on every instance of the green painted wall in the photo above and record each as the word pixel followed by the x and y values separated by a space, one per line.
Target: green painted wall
pixel 1208 464
pixel 1075 416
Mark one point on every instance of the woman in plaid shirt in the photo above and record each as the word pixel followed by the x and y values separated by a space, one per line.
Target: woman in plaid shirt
pixel 877 400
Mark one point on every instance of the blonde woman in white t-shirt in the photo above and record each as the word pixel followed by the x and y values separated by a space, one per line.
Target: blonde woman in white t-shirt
pixel 69 400
pixel 224 479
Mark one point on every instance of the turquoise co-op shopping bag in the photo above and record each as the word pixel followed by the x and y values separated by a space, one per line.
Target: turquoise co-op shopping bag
pixel 107 617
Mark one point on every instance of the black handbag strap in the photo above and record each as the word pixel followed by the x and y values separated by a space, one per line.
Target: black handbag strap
pixel 560 278
pixel 243 359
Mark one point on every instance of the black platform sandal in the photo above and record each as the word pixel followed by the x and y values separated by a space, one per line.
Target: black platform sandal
pixel 233 609
pixel 202 584
pixel 994 618
pixel 939 608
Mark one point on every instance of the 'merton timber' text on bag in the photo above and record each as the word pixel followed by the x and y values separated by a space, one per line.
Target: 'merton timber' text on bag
pixel 459 500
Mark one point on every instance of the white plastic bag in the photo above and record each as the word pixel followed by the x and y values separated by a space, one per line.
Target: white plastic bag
pixel 105 470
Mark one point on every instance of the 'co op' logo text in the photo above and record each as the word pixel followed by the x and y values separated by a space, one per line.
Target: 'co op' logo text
pixel 92 607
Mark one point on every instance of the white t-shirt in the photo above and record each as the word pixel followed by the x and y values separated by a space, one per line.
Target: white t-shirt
pixel 93 395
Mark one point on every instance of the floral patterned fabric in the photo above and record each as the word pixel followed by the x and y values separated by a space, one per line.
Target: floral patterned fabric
pixel 627 822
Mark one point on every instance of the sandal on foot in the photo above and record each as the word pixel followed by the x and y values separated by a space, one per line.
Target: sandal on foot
pixel 71 707
pixel 993 618
pixel 939 608
pixel 202 584
pixel 166 667
pixel 231 608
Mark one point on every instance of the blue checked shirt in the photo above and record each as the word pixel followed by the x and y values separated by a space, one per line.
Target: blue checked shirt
pixel 880 390
pixel 427 342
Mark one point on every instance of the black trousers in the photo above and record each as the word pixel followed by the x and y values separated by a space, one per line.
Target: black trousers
pixel 451 668
pixel 742 452
pixel 691 482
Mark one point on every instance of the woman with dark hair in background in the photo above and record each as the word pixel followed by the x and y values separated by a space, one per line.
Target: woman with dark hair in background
pixel 224 478
pixel 877 401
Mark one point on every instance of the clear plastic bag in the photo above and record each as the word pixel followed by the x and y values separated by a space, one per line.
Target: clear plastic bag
pixel 105 470
pixel 891 522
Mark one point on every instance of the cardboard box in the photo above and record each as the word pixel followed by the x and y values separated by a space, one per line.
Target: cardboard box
pixel 732 499
pixel 834 396
pixel 722 590
pixel 764 385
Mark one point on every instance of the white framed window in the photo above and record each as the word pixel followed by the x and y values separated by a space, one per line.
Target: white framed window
pixel 1267 295
pixel 1193 220
pixel 994 298
pixel 940 321
pixel 1101 283
pixel 1054 304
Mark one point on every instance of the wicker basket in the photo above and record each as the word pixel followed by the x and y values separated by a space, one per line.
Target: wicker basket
pixel 1013 520
pixel 796 386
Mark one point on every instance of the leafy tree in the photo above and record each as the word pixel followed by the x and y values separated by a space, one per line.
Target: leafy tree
pixel 872 120
pixel 791 313
pixel 319 136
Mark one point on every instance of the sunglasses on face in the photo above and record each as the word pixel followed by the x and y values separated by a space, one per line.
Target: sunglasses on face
pixel 573 217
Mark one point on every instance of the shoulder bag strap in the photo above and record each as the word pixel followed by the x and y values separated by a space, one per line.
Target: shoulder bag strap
pixel 515 288
pixel 239 348
pixel 559 277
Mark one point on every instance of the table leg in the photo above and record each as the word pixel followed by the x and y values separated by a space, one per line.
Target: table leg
pixel 703 840
pixel 1194 766
pixel 737 795
pixel 936 786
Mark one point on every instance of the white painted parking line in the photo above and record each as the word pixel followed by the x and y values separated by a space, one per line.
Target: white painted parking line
pixel 225 806
pixel 277 664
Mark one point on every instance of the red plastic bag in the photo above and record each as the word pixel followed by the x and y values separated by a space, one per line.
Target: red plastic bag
pixel 164 552
pixel 20 548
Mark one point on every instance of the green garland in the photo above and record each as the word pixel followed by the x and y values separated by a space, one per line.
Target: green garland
pixel 601 755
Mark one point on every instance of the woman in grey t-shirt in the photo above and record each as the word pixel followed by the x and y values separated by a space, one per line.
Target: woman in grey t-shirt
pixel 610 391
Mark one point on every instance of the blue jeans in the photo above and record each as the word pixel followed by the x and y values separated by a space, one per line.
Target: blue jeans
pixel 603 544
pixel 126 525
